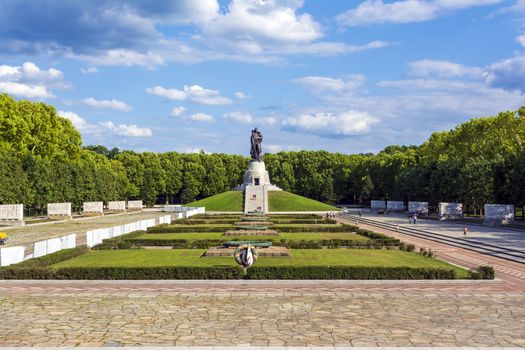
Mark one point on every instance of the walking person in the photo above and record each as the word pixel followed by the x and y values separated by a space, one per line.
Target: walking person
pixel 414 218
pixel 397 227
pixel 465 229
pixel 360 213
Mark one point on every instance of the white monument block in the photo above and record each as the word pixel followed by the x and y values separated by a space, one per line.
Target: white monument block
pixel 13 213
pixel 59 209
pixel 450 210
pixel 11 255
pixel 376 205
pixel 395 205
pixel 418 207
pixel 135 205
pixel 497 214
pixel 117 206
pixel 93 207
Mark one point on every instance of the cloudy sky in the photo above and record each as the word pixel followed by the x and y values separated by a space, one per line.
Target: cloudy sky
pixel 347 76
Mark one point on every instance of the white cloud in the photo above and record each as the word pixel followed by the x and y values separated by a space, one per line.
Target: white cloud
pixel 521 40
pixel 201 117
pixel 107 104
pixel 126 130
pixel 319 85
pixel 241 95
pixel 443 69
pixel 30 81
pixel 195 150
pixel 240 117
pixel 405 11
pixel 24 90
pixel 270 121
pixel 194 93
pixel 78 122
pixel 178 111
pixel 508 74
pixel 348 123
pixel 122 57
pixel 89 70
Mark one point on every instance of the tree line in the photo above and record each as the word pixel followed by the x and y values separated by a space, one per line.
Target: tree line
pixel 42 161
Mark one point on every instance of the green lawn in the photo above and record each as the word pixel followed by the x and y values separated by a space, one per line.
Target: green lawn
pixel 227 201
pixel 286 201
pixel 300 257
pixel 288 236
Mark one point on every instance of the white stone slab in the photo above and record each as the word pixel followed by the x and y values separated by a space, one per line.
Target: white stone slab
pixel 69 241
pixel 11 255
pixel 60 209
pixel 377 205
pixel 54 245
pixel 40 249
pixel 117 205
pixel 135 205
pixel 418 207
pixel 93 207
pixel 395 205
pixel 498 214
pixel 450 210
pixel 12 212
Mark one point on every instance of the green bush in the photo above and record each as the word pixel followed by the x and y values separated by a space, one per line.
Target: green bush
pixel 54 258
pixel 25 273
pixel 482 273
pixel 120 242
pixel 149 273
pixel 208 221
pixel 303 221
pixel 188 229
pixel 347 272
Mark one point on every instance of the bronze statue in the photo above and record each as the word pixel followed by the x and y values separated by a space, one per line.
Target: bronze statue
pixel 256 140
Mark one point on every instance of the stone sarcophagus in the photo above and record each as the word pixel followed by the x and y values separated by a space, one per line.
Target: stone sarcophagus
pixel 93 208
pixel 59 210
pixel 117 206
pixel 498 214
pixel 12 214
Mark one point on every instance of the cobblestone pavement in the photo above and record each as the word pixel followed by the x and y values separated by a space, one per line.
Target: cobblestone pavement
pixel 440 313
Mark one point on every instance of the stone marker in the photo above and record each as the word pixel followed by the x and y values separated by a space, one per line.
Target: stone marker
pixel 117 206
pixel 450 210
pixel 418 207
pixel 59 209
pixel 498 214
pixel 93 208
pixel 12 214
pixel 134 205
pixel 395 205
pixel 377 205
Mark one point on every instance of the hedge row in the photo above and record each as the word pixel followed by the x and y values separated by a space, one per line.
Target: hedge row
pixel 302 244
pixel 207 221
pixel 120 242
pixel 303 221
pixel 188 229
pixel 254 273
pixel 54 258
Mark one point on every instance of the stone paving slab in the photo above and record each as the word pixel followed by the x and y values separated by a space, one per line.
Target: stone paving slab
pixel 486 234
pixel 80 315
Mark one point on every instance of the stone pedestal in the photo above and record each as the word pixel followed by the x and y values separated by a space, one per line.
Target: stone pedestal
pixel 256 174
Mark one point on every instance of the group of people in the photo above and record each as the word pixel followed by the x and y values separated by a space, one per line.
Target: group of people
pixel 330 215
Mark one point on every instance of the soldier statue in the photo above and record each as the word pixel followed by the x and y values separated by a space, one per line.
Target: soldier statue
pixel 256 140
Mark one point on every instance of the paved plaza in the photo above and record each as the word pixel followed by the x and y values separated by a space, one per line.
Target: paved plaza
pixel 349 313
pixel 508 238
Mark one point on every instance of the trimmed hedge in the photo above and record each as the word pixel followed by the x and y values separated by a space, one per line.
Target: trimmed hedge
pixel 303 221
pixel 54 258
pixel 207 221
pixel 226 272
pixel 119 242
pixel 482 273
pixel 347 272
pixel 188 228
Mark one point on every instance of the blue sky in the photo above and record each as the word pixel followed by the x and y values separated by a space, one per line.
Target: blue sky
pixel 185 75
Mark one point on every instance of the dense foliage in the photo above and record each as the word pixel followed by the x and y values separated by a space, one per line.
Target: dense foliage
pixel 42 161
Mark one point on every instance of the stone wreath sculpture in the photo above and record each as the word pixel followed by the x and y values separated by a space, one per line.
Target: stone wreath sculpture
pixel 245 255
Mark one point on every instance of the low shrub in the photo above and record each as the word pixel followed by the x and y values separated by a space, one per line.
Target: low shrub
pixel 347 272
pixel 482 273
pixel 120 242
pixel 188 229
pixel 25 273
pixel 149 273
pixel 428 253
pixel 411 247
pixel 303 221
pixel 207 221
pixel 54 258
